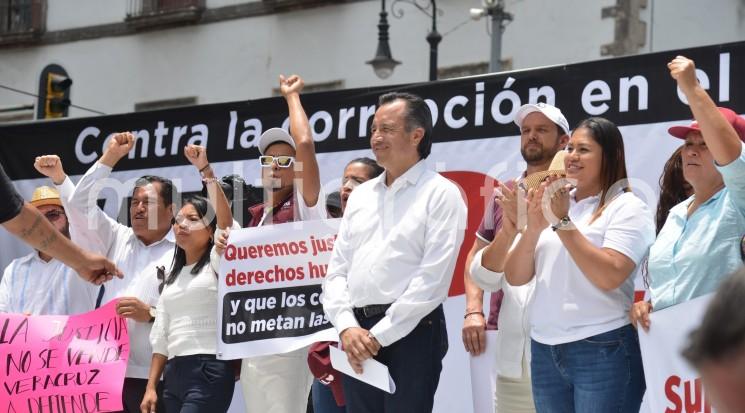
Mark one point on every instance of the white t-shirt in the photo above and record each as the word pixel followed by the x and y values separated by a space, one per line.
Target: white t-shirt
pixel 567 306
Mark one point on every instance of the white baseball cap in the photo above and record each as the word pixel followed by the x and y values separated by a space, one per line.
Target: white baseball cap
pixel 550 111
pixel 274 135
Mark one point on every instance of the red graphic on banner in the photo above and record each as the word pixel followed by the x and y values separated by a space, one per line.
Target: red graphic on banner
pixel 476 188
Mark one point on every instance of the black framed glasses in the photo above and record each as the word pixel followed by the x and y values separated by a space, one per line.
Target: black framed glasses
pixel 282 161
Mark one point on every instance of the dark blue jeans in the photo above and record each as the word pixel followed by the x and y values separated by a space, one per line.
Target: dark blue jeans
pixel 323 399
pixel 198 383
pixel 602 373
pixel 414 363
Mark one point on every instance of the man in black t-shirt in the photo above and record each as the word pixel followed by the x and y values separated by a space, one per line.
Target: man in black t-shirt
pixel 27 223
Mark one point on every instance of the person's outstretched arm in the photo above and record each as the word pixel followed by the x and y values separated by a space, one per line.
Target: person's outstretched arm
pixel 305 152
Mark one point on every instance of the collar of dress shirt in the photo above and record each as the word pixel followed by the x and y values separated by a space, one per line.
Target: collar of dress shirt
pixel 169 237
pixel 411 175
pixel 682 208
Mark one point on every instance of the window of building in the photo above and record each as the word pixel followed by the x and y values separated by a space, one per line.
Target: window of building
pixel 149 13
pixel 21 20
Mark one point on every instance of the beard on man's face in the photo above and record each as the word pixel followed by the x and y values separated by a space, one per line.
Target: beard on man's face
pixel 533 152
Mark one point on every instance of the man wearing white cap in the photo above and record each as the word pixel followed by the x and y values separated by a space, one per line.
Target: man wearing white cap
pixel 281 383
pixel 39 284
pixel 544 131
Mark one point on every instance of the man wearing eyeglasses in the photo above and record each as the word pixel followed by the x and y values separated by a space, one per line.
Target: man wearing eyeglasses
pixel 281 383
pixel 39 284
pixel 136 250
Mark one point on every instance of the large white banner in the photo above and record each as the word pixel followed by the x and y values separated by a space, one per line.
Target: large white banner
pixel 475 139
pixel 270 287
pixel 673 386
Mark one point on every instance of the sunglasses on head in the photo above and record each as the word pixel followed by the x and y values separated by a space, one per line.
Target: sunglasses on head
pixel 282 161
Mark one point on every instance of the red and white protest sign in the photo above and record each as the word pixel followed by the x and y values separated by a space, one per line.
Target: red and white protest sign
pixel 270 288
pixel 63 363
pixel 673 385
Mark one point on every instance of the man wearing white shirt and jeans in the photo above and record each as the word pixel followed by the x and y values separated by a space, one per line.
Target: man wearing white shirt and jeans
pixel 393 261
pixel 136 250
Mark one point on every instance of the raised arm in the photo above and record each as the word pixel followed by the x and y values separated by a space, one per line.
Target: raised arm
pixel 305 153
pixel 721 139
pixel 87 220
pixel 197 155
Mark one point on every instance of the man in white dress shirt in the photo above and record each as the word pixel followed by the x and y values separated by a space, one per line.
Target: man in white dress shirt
pixel 393 262
pixel 136 250
pixel 38 284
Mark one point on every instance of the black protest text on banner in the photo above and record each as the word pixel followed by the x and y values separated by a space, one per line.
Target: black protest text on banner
pixel 62 364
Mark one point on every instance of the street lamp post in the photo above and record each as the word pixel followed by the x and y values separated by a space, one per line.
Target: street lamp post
pixel 495 9
pixel 433 38
pixel 383 63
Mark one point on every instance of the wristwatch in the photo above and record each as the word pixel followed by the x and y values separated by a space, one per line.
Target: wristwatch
pixel 563 223
pixel 152 314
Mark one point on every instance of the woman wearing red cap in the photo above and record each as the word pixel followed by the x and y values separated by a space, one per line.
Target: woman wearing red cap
pixel 699 245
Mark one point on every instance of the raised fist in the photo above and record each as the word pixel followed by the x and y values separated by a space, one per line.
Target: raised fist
pixel 683 70
pixel 50 166
pixel 290 85
pixel 197 155
pixel 119 146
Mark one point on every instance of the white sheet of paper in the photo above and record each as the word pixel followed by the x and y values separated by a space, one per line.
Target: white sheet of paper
pixel 484 375
pixel 374 373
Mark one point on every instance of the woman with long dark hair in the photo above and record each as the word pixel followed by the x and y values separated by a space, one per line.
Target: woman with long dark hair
pixel 582 251
pixel 185 330
pixel 674 188
pixel 699 244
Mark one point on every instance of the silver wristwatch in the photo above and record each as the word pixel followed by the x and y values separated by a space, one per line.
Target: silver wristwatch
pixel 563 223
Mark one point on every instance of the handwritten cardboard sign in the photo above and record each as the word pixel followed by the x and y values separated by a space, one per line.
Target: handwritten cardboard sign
pixel 63 363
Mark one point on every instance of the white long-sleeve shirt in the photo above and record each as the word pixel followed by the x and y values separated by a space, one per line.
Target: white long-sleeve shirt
pixel 95 230
pixel 186 322
pixel 513 335
pixel 31 285
pixel 396 245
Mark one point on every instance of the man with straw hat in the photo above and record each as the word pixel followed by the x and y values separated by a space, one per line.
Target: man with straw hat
pixel 39 284
pixel 544 131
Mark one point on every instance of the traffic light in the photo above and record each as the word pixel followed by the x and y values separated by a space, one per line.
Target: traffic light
pixel 54 93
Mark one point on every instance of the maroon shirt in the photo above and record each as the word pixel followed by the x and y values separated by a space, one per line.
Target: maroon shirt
pixel 282 213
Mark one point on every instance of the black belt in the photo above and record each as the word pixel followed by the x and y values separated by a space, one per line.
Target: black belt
pixel 370 310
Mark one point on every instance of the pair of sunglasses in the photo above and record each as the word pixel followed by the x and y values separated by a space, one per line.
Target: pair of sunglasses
pixel 283 161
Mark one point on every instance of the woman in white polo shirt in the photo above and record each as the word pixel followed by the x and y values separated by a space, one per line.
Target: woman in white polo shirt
pixel 582 252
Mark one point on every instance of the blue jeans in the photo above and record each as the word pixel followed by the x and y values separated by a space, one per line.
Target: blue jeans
pixel 414 362
pixel 323 399
pixel 198 383
pixel 602 373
